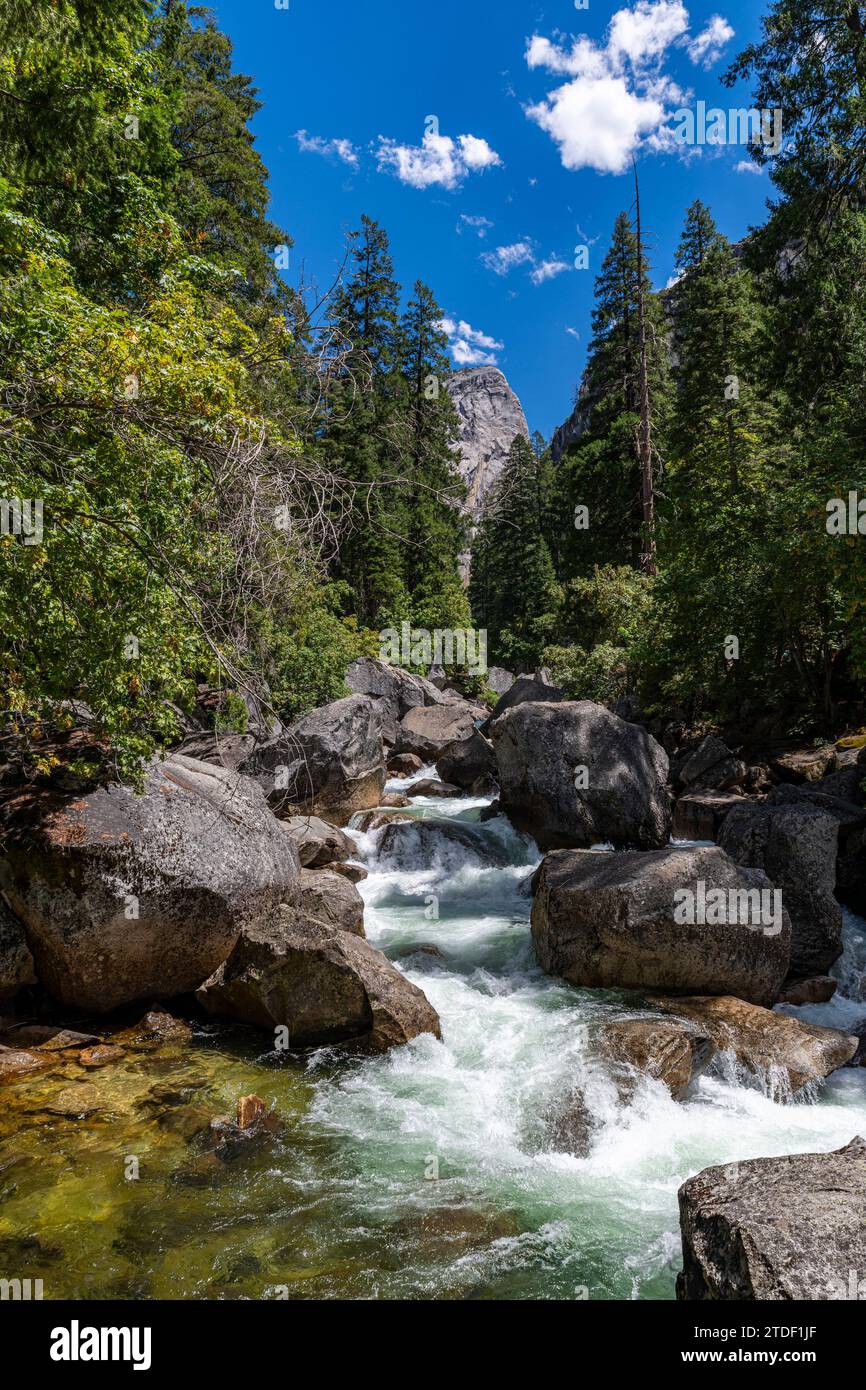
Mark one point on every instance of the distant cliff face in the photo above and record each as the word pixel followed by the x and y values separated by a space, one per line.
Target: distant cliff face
pixel 490 416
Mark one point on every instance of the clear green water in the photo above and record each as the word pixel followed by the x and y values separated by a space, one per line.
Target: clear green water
pixel 428 1173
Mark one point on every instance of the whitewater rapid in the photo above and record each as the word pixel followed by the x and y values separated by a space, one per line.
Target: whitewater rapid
pixel 457 1132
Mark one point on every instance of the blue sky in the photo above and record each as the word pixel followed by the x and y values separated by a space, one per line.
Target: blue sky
pixel 550 100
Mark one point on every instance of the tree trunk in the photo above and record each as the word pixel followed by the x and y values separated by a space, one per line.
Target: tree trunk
pixel 648 553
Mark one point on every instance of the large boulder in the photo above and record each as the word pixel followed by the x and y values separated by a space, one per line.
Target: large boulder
pixel 498 679
pixel 765 1043
pixel 318 842
pixel 224 750
pixel 126 896
pixel 330 763
pixel 429 730
pixel 841 796
pixel 469 763
pixel 16 962
pixel 526 689
pixel 711 764
pixel 575 774
pixel 776 1229
pixel 396 691
pixel 330 899
pixel 796 846
pixel 404 764
pixel 614 921
pixel 804 765
pixel 324 985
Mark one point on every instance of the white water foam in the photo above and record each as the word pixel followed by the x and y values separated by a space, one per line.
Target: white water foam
pixel 514 1042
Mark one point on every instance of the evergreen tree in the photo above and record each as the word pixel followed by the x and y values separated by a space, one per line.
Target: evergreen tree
pixel 436 531
pixel 513 586
pixel 602 472
pixel 219 193
pixel 363 431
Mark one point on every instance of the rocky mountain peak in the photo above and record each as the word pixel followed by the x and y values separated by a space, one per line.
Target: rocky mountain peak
pixel 490 416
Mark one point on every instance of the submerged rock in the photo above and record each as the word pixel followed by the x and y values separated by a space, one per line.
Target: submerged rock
pixel 776 1229
pixel 610 921
pixel 412 843
pixel 762 1040
pixel 673 1053
pixel 431 786
pixel 127 896
pixel 325 986
pixel 575 774
pixel 76 1102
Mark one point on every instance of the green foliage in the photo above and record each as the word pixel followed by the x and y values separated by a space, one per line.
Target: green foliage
pixel 513 588
pixel 310 649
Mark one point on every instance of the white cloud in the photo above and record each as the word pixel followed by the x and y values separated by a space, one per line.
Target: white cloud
pixel 317 144
pixel 468 346
pixel 706 47
pixel 506 258
pixel 574 333
pixel 480 225
pixel 548 270
pixel 618 96
pixel 437 160
pixel 647 31
pixel 746 166
pixel 597 122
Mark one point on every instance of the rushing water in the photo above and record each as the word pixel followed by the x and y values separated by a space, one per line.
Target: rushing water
pixel 431 1172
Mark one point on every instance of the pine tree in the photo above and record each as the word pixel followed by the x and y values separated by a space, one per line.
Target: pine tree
pixel 436 531
pixel 513 586
pixel 602 472
pixel 220 193
pixel 363 431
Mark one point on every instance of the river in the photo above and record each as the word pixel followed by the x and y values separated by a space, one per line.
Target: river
pixel 429 1173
